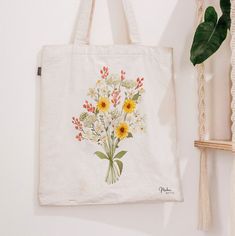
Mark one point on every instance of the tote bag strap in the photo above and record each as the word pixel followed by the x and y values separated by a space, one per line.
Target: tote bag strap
pixel 85 16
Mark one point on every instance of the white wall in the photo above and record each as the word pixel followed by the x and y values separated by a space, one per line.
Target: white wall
pixel 26 25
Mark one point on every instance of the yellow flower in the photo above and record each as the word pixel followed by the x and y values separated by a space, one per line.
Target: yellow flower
pixel 129 106
pixel 122 130
pixel 103 104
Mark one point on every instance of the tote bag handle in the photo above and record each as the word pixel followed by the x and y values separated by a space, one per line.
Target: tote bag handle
pixel 85 16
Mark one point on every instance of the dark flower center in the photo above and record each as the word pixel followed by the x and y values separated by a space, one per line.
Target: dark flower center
pixel 103 104
pixel 128 106
pixel 122 130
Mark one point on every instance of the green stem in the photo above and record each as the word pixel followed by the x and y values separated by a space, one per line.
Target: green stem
pixel 107 135
pixel 113 181
pixel 125 116
pixel 107 175
pixel 112 173
pixel 116 170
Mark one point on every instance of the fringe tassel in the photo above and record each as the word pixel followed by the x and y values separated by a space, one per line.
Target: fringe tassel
pixel 204 211
pixel 232 202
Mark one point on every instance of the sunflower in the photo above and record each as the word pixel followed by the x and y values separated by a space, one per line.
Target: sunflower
pixel 129 105
pixel 122 130
pixel 103 104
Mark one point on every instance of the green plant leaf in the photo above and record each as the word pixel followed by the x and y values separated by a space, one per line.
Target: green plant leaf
pixel 208 36
pixel 136 96
pixel 129 135
pixel 225 6
pixel 101 155
pixel 120 166
pixel 211 15
pixel 120 155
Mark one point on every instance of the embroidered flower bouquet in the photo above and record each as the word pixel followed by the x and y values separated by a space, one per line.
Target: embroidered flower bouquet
pixel 111 117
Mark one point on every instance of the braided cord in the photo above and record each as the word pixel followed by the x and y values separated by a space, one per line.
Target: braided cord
pixel 232 45
pixel 204 205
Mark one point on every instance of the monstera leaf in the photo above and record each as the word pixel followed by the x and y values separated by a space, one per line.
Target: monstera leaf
pixel 211 33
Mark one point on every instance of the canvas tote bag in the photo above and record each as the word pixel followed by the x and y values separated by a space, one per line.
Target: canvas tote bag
pixel 107 123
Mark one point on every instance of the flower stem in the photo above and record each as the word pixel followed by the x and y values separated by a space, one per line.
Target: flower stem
pixel 112 174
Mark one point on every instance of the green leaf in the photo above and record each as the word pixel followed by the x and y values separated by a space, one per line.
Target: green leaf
pixel 101 155
pixel 136 96
pixel 129 135
pixel 120 154
pixel 120 166
pixel 211 15
pixel 225 6
pixel 208 36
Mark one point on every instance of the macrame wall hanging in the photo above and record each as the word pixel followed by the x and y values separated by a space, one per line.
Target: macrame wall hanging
pixel 204 212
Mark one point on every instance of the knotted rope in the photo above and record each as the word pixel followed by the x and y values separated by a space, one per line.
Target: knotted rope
pixel 232 44
pixel 204 211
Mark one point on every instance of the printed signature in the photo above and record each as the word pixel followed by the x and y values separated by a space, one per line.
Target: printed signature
pixel 165 190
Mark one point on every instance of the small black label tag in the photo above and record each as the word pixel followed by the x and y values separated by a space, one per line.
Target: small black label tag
pixel 39 73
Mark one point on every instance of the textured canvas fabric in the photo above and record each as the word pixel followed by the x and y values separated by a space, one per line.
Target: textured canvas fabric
pixel 107 124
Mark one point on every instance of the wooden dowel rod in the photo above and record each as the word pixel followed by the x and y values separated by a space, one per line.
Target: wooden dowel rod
pixel 214 144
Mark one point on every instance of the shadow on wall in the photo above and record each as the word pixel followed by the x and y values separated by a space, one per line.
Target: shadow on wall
pixel 153 219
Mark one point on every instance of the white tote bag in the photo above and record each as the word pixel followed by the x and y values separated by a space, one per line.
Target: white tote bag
pixel 107 123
